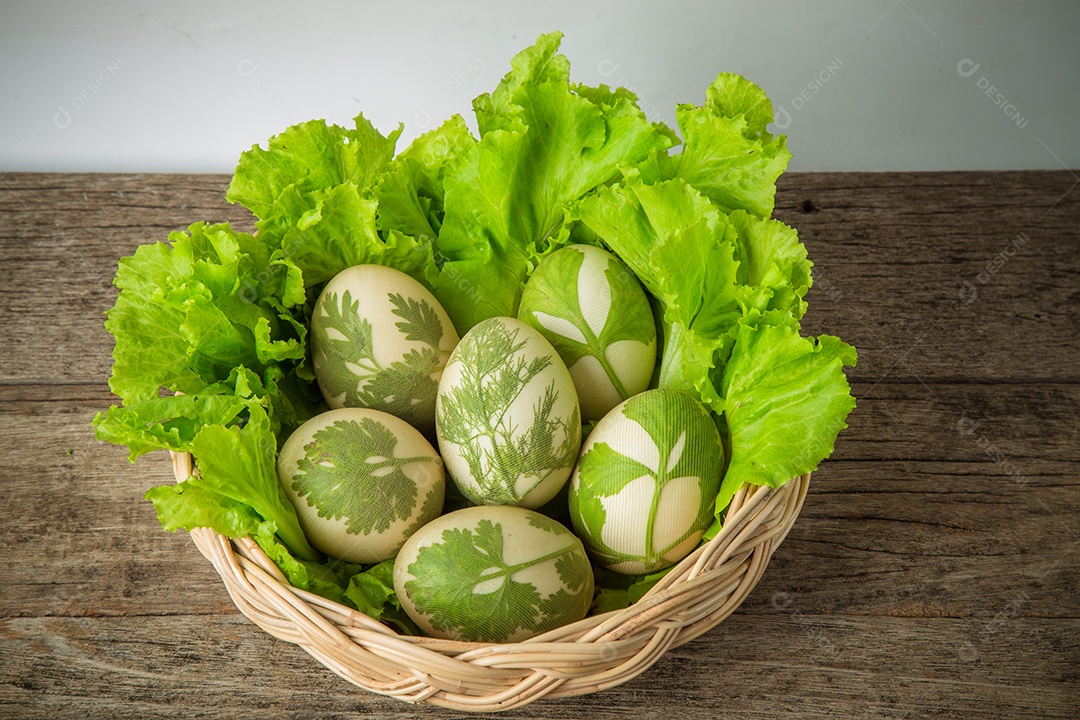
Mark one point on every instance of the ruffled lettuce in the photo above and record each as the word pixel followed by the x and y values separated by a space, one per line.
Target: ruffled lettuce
pixel 210 326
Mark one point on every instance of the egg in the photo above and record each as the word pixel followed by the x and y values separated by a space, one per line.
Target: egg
pixel 643 491
pixel 380 340
pixel 362 481
pixel 592 309
pixel 506 416
pixel 493 574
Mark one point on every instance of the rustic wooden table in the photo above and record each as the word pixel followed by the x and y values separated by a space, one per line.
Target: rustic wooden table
pixel 933 572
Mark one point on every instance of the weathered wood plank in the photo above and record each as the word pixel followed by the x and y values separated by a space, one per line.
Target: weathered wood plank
pixel 885 531
pixel 944 276
pixel 60 238
pixel 789 665
pixel 935 570
pixel 892 254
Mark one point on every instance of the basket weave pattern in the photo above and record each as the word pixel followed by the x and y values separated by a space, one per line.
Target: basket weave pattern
pixel 596 653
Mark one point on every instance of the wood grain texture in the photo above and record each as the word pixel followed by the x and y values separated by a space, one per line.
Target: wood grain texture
pixel 935 570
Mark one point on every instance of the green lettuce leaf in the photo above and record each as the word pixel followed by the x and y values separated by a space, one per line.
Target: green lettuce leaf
pixel 336 229
pixel 240 463
pixel 372 593
pixel 411 192
pixel 786 399
pixel 683 250
pixel 191 311
pixel 304 158
pixel 168 422
pixel 727 154
pixel 544 144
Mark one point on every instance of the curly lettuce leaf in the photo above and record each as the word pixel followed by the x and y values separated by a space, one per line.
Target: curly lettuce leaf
pixel 786 399
pixel 683 250
pixel 372 593
pixel 241 464
pixel 336 229
pixel 727 154
pixel 169 422
pixel 544 144
pixel 411 192
pixel 310 156
pixel 192 310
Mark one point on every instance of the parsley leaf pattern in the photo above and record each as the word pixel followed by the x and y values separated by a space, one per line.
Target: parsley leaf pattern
pixel 348 369
pixel 466 589
pixel 369 491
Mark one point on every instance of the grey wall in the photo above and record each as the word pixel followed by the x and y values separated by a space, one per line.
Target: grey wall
pixel 186 85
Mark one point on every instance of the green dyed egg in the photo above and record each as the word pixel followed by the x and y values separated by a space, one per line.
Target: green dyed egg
pixel 380 340
pixel 493 574
pixel 589 305
pixel 362 482
pixel 507 417
pixel 643 491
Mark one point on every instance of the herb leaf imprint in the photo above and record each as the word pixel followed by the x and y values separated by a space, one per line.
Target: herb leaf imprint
pixel 474 416
pixel 370 491
pixel 404 388
pixel 464 585
pixel 671 422
pixel 618 311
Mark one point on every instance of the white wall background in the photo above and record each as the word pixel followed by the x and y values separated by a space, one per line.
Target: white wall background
pixel 186 85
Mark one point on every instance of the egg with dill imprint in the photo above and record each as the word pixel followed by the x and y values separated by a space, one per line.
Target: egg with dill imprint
pixel 506 416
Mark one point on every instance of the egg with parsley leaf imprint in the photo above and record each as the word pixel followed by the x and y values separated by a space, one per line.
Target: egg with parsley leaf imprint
pixel 362 482
pixel 643 491
pixel 592 309
pixel 507 416
pixel 493 574
pixel 380 340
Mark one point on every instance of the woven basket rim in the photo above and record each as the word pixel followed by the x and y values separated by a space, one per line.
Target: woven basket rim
pixel 594 654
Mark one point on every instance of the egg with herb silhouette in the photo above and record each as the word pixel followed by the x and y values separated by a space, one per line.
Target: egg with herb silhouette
pixel 493 574
pixel 643 491
pixel 506 416
pixel 380 340
pixel 592 309
pixel 362 481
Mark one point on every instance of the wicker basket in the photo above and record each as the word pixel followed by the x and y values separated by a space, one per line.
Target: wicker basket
pixel 596 653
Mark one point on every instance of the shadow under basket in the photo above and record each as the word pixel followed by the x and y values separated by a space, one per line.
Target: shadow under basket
pixel 599 652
